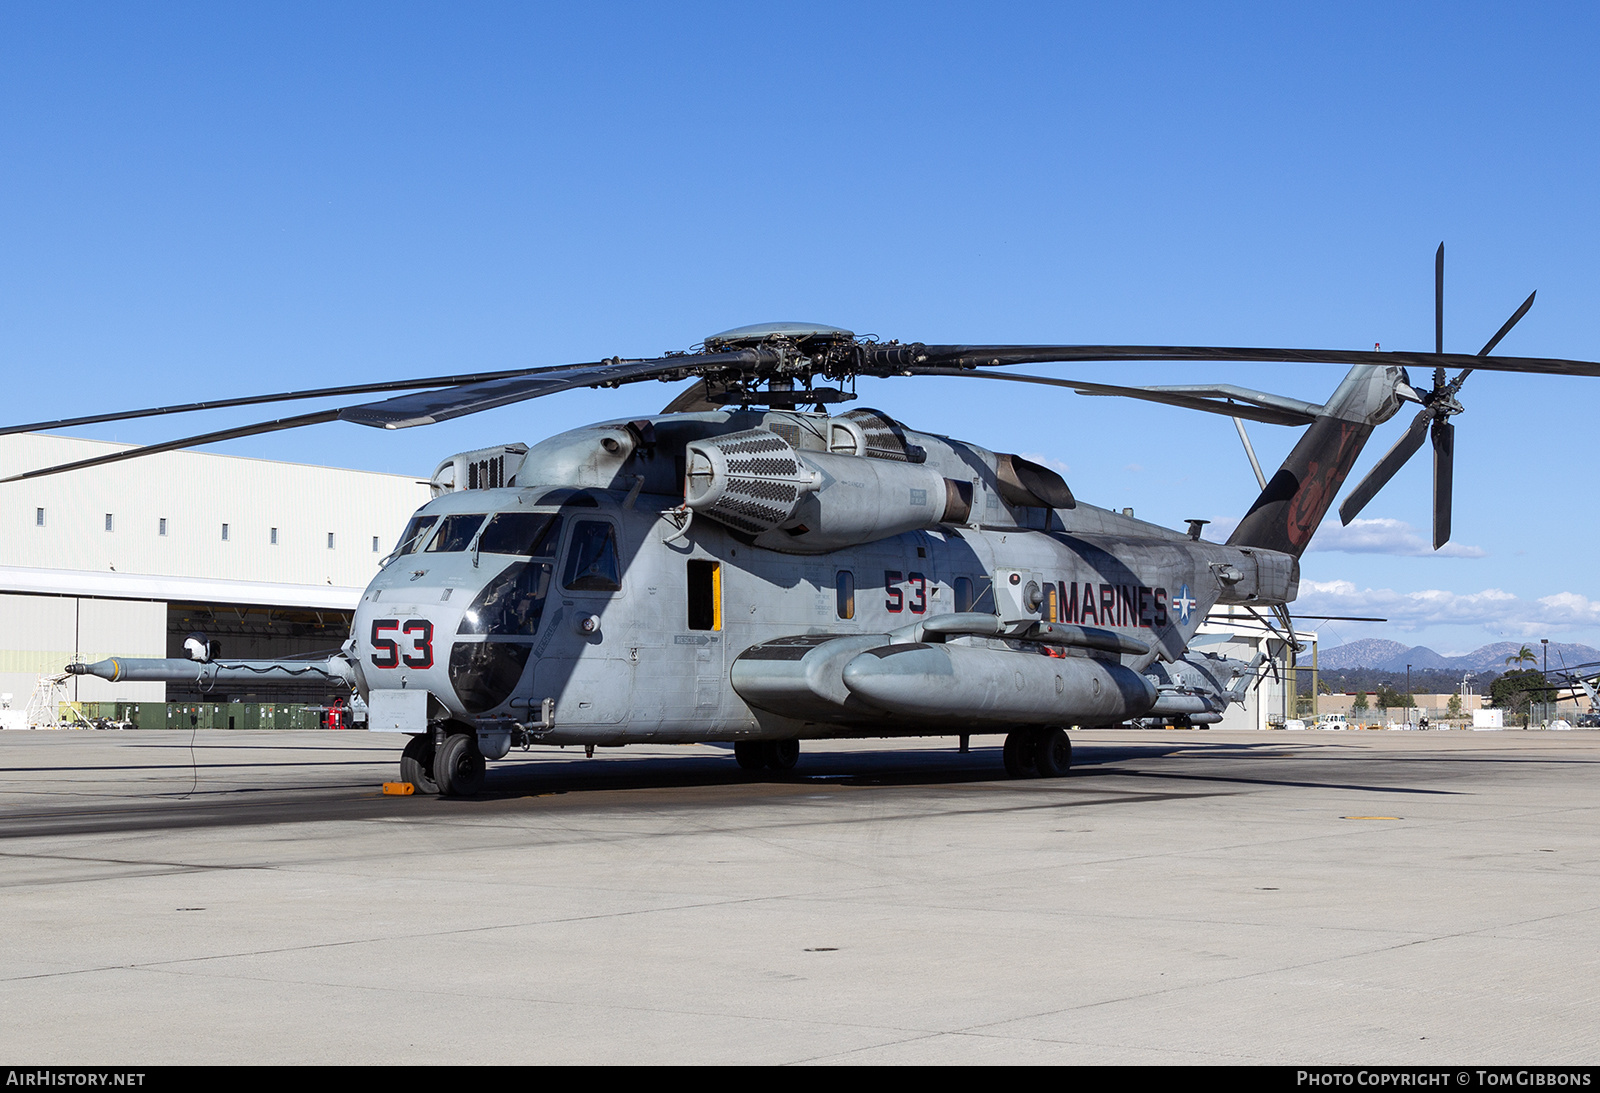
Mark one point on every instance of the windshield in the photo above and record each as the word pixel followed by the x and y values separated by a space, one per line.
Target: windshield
pixel 455 533
pixel 530 534
pixel 416 531
pixel 511 604
pixel 484 673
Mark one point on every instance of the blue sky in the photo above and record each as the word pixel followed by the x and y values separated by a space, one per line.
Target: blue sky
pixel 204 200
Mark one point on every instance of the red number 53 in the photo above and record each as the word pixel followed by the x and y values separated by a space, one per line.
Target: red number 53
pixel 386 650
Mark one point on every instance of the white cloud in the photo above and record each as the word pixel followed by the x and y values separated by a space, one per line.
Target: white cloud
pixel 1497 611
pixel 1571 608
pixel 1384 536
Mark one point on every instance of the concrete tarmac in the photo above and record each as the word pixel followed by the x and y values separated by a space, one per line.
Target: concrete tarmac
pixel 1180 897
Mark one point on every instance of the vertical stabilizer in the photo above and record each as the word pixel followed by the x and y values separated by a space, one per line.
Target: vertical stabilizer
pixel 1295 500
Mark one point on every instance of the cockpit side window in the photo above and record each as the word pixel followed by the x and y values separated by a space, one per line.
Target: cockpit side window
pixel 530 534
pixel 455 533
pixel 592 562
pixel 416 531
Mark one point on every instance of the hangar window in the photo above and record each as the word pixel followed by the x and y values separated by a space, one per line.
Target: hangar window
pixel 224 533
pixel 592 564
pixel 330 540
pixel 374 544
pixel 272 537
pixel 161 526
pixel 38 518
pixel 844 592
pixel 108 521
pixel 705 595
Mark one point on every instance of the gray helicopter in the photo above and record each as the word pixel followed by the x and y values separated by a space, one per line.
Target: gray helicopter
pixel 748 567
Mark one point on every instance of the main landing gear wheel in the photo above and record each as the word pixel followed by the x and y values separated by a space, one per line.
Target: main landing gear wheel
pixel 784 754
pixel 752 754
pixel 1018 754
pixel 459 767
pixel 778 755
pixel 416 764
pixel 1052 753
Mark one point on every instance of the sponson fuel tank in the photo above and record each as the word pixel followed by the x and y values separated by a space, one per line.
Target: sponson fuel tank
pixel 863 676
pixel 984 684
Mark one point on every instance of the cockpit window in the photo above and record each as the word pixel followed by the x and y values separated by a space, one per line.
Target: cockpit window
pixel 592 564
pixel 530 534
pixel 415 532
pixel 511 604
pixel 455 533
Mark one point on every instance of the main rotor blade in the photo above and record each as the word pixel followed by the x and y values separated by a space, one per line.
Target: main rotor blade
pixel 1392 461
pixel 1438 300
pixel 886 360
pixel 1291 412
pixel 1444 456
pixel 253 400
pixel 428 407
pixel 317 418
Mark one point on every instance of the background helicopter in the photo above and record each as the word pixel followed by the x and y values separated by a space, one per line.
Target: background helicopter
pixel 724 571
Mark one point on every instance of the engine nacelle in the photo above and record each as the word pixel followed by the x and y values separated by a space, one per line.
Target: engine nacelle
pixel 800 502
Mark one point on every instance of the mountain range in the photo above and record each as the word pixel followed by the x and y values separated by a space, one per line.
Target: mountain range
pixel 1391 656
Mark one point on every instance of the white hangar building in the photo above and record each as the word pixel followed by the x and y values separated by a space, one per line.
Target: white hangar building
pixel 266 558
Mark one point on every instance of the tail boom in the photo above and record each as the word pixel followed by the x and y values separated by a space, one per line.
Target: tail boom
pixel 1291 507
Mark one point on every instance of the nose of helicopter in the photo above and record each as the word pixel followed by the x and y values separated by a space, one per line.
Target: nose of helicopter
pixel 401 636
pixel 464 633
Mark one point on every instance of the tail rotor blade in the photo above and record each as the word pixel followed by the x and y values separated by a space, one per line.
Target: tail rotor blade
pixel 1444 456
pixel 1511 322
pixel 1392 461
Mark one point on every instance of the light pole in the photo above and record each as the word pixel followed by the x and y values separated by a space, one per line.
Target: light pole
pixel 1409 697
pixel 1545 671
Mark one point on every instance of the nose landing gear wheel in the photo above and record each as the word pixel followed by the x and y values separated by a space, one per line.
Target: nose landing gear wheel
pixel 416 764
pixel 459 767
pixel 1019 755
pixel 1052 753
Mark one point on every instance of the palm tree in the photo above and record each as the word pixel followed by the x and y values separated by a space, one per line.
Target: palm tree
pixel 1523 656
